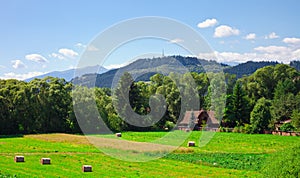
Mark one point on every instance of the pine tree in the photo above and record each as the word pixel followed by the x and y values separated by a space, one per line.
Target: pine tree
pixel 237 110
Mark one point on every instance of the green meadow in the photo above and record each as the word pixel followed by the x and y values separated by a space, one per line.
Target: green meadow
pixel 226 155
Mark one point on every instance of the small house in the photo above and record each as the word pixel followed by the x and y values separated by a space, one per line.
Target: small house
pixel 196 120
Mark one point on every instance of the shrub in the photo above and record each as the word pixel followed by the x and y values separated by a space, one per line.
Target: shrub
pixel 221 129
pixel 170 125
pixel 296 119
pixel 247 129
pixel 287 127
pixel 236 129
pixel 228 129
pixel 283 164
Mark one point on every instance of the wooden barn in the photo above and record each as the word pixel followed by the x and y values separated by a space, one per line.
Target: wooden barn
pixel 196 120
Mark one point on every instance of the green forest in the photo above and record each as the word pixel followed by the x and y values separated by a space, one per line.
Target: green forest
pixel 253 103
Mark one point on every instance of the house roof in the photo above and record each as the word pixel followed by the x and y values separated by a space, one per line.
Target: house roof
pixel 284 122
pixel 197 114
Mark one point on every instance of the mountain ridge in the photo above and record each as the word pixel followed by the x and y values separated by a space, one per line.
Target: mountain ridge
pixel 143 69
pixel 69 74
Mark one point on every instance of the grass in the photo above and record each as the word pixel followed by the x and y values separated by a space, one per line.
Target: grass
pixel 226 155
pixel 227 142
pixel 252 162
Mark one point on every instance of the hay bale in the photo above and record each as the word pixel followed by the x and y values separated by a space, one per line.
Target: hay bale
pixel 191 143
pixel 119 134
pixel 19 159
pixel 45 161
pixel 87 168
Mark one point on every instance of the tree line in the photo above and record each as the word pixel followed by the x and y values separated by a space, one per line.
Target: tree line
pixel 253 103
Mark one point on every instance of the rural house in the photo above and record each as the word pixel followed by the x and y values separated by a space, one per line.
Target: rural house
pixel 196 120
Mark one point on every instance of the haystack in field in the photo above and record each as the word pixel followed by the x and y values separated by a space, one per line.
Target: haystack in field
pixel 87 168
pixel 19 159
pixel 45 161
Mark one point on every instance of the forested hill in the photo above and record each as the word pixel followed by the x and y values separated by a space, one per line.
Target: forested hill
pixel 295 64
pixel 143 69
pixel 248 68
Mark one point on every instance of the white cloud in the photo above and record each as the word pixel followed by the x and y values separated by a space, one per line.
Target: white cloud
pixel 250 36
pixel 115 66
pixel 225 31
pixel 176 40
pixel 36 58
pixel 64 53
pixel 58 56
pixel 293 41
pixel 68 52
pixel 267 53
pixel 92 48
pixel 17 64
pixel 207 23
pixel 272 35
pixel 3 67
pixel 296 54
pixel 273 49
pixel 12 75
pixel 80 45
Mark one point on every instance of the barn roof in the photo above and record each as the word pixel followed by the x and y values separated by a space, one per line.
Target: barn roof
pixel 188 114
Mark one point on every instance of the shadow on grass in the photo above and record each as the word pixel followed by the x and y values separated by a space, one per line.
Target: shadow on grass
pixel 12 136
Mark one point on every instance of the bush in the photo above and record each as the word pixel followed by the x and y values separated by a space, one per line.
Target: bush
pixel 296 119
pixel 236 129
pixel 221 129
pixel 287 127
pixel 170 125
pixel 247 129
pixel 283 164
pixel 228 129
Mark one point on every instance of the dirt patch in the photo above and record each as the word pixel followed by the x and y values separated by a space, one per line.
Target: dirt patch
pixel 117 143
pixel 63 138
pixel 129 145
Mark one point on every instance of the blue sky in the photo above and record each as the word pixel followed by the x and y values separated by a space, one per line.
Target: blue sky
pixel 42 36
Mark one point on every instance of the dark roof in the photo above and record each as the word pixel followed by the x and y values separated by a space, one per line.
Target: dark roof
pixel 284 122
pixel 188 114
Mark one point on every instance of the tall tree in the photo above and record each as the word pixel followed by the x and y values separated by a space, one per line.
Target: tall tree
pixel 260 116
pixel 240 105
pixel 284 100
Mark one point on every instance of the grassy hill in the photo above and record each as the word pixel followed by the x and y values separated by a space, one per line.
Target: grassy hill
pixel 227 155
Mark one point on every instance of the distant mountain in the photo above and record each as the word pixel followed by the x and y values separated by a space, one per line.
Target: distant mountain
pixel 68 75
pixel 143 69
pixel 247 68
pixel 295 64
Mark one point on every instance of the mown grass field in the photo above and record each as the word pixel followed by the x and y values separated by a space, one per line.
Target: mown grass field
pixel 226 155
